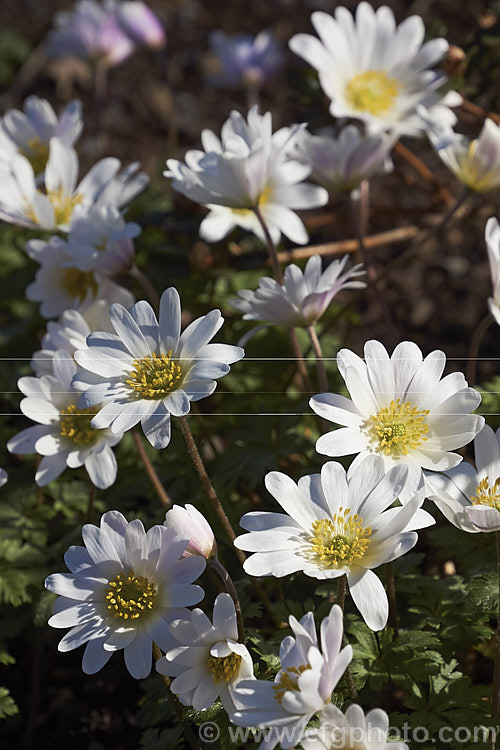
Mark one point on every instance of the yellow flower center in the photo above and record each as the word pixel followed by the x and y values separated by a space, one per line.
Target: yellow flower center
pixel 396 429
pixel 37 154
pixel 155 377
pixel 337 542
pixel 224 668
pixel 372 92
pixel 288 680
pixel 74 425
pixel 472 173
pixel 77 283
pixel 486 495
pixel 130 597
pixel 263 199
pixel 63 205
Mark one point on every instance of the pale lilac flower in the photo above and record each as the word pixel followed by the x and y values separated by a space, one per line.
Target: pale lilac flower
pixel 124 589
pixel 29 132
pixel 190 523
pixel 207 661
pixel 340 164
pixel 302 298
pixel 248 167
pixel 4 477
pixel 302 688
pixel 71 330
pixel 334 525
pixel 64 435
pixel 245 59
pixel 92 32
pixel 376 71
pixel 147 370
pixel 61 284
pixel 351 729
pixel 22 202
pixel 467 497
pixel 141 24
pixel 476 163
pixel 400 410
pixel 492 237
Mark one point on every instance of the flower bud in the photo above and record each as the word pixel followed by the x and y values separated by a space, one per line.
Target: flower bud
pixel 191 523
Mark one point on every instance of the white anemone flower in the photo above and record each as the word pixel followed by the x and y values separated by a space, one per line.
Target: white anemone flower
pixel 492 237
pixel 401 410
pixel 302 688
pixel 476 163
pixel 4 477
pixel 336 525
pixel 147 370
pixel 23 203
pixel 340 164
pixel 124 588
pixel 467 497
pixel 189 522
pixel 61 283
pixel 64 435
pixel 377 72
pixel 29 132
pixel 351 730
pixel 248 167
pixel 71 330
pixel 207 662
pixel 100 240
pixel 303 297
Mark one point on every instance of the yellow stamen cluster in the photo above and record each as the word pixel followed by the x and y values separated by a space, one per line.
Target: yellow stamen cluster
pixel 77 283
pixel 337 542
pixel 263 199
pixel 372 91
pixel 130 597
pixel 486 495
pixel 473 174
pixel 74 425
pixel 37 154
pixel 224 668
pixel 288 680
pixel 397 428
pixel 63 204
pixel 155 377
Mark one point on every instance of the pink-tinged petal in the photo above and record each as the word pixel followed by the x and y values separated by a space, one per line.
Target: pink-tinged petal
pixel 483 517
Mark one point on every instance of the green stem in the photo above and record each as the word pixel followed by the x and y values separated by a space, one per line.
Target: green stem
pixel 150 470
pixel 391 595
pixel 341 593
pixel 495 704
pixel 226 579
pixel 320 362
pixel 146 285
pixel 475 343
pixel 221 513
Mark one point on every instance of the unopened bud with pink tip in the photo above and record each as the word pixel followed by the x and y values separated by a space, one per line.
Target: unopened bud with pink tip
pixel 189 522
